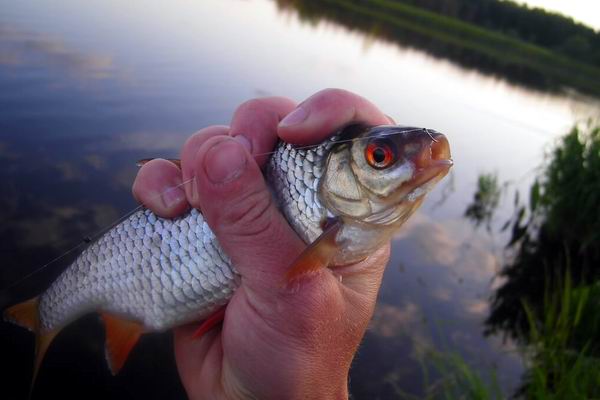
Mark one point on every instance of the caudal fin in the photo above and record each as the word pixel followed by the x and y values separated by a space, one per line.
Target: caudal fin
pixel 26 315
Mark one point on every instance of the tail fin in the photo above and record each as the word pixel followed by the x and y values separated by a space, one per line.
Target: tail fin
pixel 26 315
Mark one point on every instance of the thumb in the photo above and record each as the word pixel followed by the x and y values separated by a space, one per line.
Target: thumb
pixel 241 211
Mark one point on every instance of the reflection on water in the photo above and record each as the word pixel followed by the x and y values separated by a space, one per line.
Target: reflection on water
pixel 87 91
pixel 467 44
pixel 23 48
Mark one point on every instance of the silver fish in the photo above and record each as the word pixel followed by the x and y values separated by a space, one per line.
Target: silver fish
pixel 345 197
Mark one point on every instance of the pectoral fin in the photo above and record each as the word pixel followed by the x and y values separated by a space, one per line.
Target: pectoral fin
pixel 213 320
pixel 317 255
pixel 121 336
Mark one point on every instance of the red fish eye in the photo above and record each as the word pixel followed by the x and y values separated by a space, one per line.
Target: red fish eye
pixel 380 154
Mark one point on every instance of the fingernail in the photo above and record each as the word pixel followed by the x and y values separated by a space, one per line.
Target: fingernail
pixel 294 118
pixel 225 161
pixel 172 196
pixel 244 141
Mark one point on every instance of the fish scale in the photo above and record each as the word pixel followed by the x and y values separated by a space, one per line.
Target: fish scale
pixel 164 272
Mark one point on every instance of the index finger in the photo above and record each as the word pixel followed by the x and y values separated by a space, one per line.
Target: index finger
pixel 325 112
pixel 256 121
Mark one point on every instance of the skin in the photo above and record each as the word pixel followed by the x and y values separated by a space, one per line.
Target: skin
pixel 277 341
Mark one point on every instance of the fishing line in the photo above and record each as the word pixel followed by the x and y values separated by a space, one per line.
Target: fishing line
pixel 101 231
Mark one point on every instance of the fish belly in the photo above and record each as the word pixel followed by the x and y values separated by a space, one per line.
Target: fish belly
pixel 159 272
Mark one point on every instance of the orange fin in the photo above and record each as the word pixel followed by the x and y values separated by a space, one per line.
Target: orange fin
pixel 26 315
pixel 42 343
pixel 143 161
pixel 213 320
pixel 317 255
pixel 121 336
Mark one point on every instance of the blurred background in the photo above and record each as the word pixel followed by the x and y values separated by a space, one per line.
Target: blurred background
pixel 491 289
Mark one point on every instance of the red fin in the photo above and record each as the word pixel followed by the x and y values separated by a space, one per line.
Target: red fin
pixel 317 255
pixel 42 343
pixel 26 315
pixel 121 336
pixel 143 161
pixel 213 320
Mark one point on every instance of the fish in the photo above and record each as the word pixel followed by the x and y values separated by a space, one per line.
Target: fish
pixel 345 197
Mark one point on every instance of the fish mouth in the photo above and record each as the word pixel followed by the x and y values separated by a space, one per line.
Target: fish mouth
pixel 431 164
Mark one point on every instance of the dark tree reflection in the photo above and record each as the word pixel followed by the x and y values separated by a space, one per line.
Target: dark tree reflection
pixel 469 42
pixel 485 201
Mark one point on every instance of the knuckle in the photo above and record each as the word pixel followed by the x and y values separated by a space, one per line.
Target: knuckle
pixel 332 95
pixel 250 215
pixel 196 139
pixel 251 106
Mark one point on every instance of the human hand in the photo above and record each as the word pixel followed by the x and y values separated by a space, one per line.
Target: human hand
pixel 275 342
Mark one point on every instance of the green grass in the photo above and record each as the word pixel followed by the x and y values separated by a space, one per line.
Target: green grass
pixel 560 364
pixel 459 380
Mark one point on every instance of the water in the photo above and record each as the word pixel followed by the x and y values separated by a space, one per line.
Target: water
pixel 87 90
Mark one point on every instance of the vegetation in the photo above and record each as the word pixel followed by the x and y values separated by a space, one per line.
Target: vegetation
pixel 482 46
pixel 485 201
pixel 562 351
pixel 458 379
pixel 546 29
pixel 558 353
pixel 551 296
pixel 558 231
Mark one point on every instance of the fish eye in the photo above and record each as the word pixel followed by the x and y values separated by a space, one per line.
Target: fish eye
pixel 380 153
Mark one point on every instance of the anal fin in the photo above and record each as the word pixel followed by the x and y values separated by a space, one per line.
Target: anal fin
pixel 317 255
pixel 121 336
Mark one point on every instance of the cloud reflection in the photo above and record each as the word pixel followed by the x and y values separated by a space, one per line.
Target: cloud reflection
pixel 389 320
pixel 18 48
pixel 146 141
pixel 451 245
pixel 56 225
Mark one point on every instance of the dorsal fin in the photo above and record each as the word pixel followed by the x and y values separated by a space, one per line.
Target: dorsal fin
pixel 121 336
pixel 24 314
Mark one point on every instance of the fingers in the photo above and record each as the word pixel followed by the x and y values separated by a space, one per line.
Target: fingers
pixel 325 112
pixel 188 156
pixel 158 187
pixel 230 189
pixel 239 208
pixel 198 360
pixel 256 121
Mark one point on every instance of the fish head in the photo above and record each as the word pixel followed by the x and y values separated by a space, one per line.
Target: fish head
pixel 380 175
